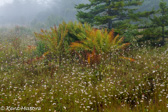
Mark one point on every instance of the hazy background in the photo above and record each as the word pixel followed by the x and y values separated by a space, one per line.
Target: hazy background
pixel 45 13
pixel 36 12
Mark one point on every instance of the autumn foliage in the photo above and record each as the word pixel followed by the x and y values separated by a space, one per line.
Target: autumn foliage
pixel 87 42
pixel 98 42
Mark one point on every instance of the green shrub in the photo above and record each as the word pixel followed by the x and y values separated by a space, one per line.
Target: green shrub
pixel 151 36
pixel 76 31
pixel 41 48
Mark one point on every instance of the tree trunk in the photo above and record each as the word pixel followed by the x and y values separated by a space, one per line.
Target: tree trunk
pixel 163 31
pixel 163 26
pixel 110 24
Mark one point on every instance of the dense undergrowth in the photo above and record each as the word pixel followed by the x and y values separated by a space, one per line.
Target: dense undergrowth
pixel 53 76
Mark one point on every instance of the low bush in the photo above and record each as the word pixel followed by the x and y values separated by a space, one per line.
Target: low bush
pixel 98 42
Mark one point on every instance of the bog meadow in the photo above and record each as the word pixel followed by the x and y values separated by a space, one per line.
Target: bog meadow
pixel 95 56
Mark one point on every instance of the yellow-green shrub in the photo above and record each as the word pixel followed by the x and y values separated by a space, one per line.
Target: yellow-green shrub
pixel 98 42
pixel 76 31
pixel 54 40
pixel 66 33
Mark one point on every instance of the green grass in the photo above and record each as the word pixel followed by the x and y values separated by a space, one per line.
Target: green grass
pixel 116 85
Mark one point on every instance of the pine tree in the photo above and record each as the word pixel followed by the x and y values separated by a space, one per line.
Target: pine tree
pixel 112 13
pixel 162 20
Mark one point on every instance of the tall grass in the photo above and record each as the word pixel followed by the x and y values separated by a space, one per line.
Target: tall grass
pixel 116 85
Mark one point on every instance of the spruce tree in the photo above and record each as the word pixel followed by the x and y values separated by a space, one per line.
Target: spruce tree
pixel 111 13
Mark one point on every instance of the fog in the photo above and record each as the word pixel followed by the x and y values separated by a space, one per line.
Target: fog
pixel 31 12
pixel 20 11
pixel 45 13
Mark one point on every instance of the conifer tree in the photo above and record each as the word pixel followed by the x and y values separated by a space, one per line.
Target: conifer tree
pixel 112 13
pixel 162 20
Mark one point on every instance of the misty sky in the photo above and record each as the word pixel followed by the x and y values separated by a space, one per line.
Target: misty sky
pixel 26 11
pixel 2 2
pixel 23 11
